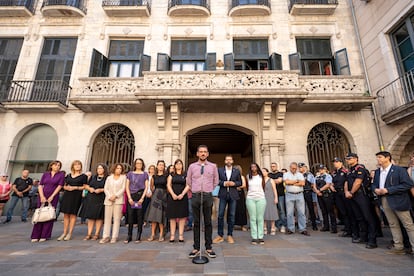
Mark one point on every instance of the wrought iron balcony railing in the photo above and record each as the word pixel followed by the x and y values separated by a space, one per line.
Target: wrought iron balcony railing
pixel 312 2
pixel 29 4
pixel 397 94
pixel 126 3
pixel 236 3
pixel 39 91
pixel 79 4
pixel 202 3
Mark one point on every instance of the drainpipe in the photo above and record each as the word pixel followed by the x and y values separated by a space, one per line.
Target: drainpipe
pixel 364 65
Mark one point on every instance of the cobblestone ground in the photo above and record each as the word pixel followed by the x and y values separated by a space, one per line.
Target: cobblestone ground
pixel 320 254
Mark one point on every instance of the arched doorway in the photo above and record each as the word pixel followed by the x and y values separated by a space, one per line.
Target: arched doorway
pixel 114 144
pixel 222 140
pixel 324 143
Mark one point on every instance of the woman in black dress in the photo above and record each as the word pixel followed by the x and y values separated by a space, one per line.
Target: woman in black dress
pixel 72 198
pixel 241 212
pixel 93 205
pixel 156 209
pixel 177 200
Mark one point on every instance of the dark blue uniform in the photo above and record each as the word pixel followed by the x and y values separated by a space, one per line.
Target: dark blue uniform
pixel 343 204
pixel 326 203
pixel 307 194
pixel 361 208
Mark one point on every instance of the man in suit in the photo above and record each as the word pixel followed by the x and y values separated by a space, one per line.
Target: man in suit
pixel 229 180
pixel 392 183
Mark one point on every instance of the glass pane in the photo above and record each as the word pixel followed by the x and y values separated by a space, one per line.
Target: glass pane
pixel 401 34
pixel 125 69
pixel 40 143
pixel 58 69
pixel 409 63
pixel 188 66
pixel 176 66
pixel 327 68
pixel 113 69
pixel 136 69
pixel 406 48
pixel 200 66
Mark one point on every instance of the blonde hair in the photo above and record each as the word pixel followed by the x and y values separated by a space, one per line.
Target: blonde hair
pixel 72 166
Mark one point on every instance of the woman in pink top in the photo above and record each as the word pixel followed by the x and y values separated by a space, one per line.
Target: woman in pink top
pixel 5 188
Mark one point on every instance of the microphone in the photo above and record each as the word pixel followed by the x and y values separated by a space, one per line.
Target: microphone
pixel 202 169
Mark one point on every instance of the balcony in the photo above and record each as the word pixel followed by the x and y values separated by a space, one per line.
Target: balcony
pixel 312 7
pixel 250 7
pixel 18 8
pixel 64 8
pixel 47 96
pixel 396 100
pixel 188 8
pixel 242 91
pixel 127 8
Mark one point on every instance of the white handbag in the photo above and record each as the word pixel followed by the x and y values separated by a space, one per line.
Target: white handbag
pixel 44 213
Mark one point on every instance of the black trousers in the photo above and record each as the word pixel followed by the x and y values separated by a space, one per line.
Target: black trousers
pixel 344 207
pixel 361 207
pixel 135 215
pixel 207 210
pixel 309 203
pixel 326 203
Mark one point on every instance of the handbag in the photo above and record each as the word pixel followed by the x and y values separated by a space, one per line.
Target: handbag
pixel 216 190
pixel 44 213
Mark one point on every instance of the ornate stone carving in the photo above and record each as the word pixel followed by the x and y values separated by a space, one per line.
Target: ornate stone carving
pixel 107 87
pixel 333 85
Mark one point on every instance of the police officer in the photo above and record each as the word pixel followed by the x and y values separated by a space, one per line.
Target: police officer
pixel 322 187
pixel 339 177
pixel 360 202
pixel 307 192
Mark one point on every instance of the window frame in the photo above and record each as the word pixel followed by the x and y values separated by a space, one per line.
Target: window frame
pixel 409 23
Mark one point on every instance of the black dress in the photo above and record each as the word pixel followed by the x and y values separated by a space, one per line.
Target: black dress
pixel 71 200
pixel 93 205
pixel 156 209
pixel 241 212
pixel 177 208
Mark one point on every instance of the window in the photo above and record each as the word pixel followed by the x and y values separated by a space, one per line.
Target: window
pixel 9 54
pixel 314 57
pixel 125 59
pixel 187 55
pixel 57 59
pixel 403 42
pixel 252 54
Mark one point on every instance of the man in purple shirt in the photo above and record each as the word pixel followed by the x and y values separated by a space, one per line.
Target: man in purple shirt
pixel 202 177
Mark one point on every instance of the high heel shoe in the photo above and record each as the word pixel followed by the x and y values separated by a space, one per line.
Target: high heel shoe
pixel 151 238
pixel 180 239
pixel 128 240
pixel 61 237
pixel 68 237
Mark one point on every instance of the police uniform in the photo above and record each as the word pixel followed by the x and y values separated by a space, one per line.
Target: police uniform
pixel 361 209
pixel 326 203
pixel 307 193
pixel 343 204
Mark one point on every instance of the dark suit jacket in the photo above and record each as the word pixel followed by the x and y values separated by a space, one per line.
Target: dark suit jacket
pixel 235 177
pixel 398 184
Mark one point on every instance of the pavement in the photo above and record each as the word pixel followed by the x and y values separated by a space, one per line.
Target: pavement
pixel 320 254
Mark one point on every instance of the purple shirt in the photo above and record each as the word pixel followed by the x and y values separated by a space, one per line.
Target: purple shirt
pixel 49 185
pixel 136 181
pixel 208 180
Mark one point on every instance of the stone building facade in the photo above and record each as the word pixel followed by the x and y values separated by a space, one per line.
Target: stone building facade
pixel 109 81
pixel 387 38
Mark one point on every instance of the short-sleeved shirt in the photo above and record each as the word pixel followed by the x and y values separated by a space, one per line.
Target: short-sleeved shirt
pixel 280 188
pixel 339 178
pixel 322 179
pixel 136 181
pixel 355 172
pixel 22 184
pixel 309 181
pixel 291 176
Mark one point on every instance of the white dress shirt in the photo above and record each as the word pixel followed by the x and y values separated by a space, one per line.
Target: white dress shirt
pixel 383 176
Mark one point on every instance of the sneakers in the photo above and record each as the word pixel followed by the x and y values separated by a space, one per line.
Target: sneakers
pixel 194 253
pixel 218 239
pixel 283 229
pixel 211 253
pixel 230 239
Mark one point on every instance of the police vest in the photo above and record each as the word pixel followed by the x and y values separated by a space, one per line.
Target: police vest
pixel 308 184
pixel 320 181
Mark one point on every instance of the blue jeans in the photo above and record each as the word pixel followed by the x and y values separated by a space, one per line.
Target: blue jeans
pixel 13 202
pixel 256 209
pixel 281 207
pixel 295 201
pixel 231 215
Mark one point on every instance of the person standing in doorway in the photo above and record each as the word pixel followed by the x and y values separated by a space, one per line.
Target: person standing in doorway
pixel 202 177
pixel 21 188
pixel 229 180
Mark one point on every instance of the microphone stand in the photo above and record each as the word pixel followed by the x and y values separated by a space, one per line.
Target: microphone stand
pixel 201 259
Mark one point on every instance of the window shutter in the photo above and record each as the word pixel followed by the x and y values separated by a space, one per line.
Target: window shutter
pixel 99 65
pixel 342 63
pixel 229 61
pixel 145 64
pixel 163 62
pixel 294 62
pixel 210 64
pixel 275 61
